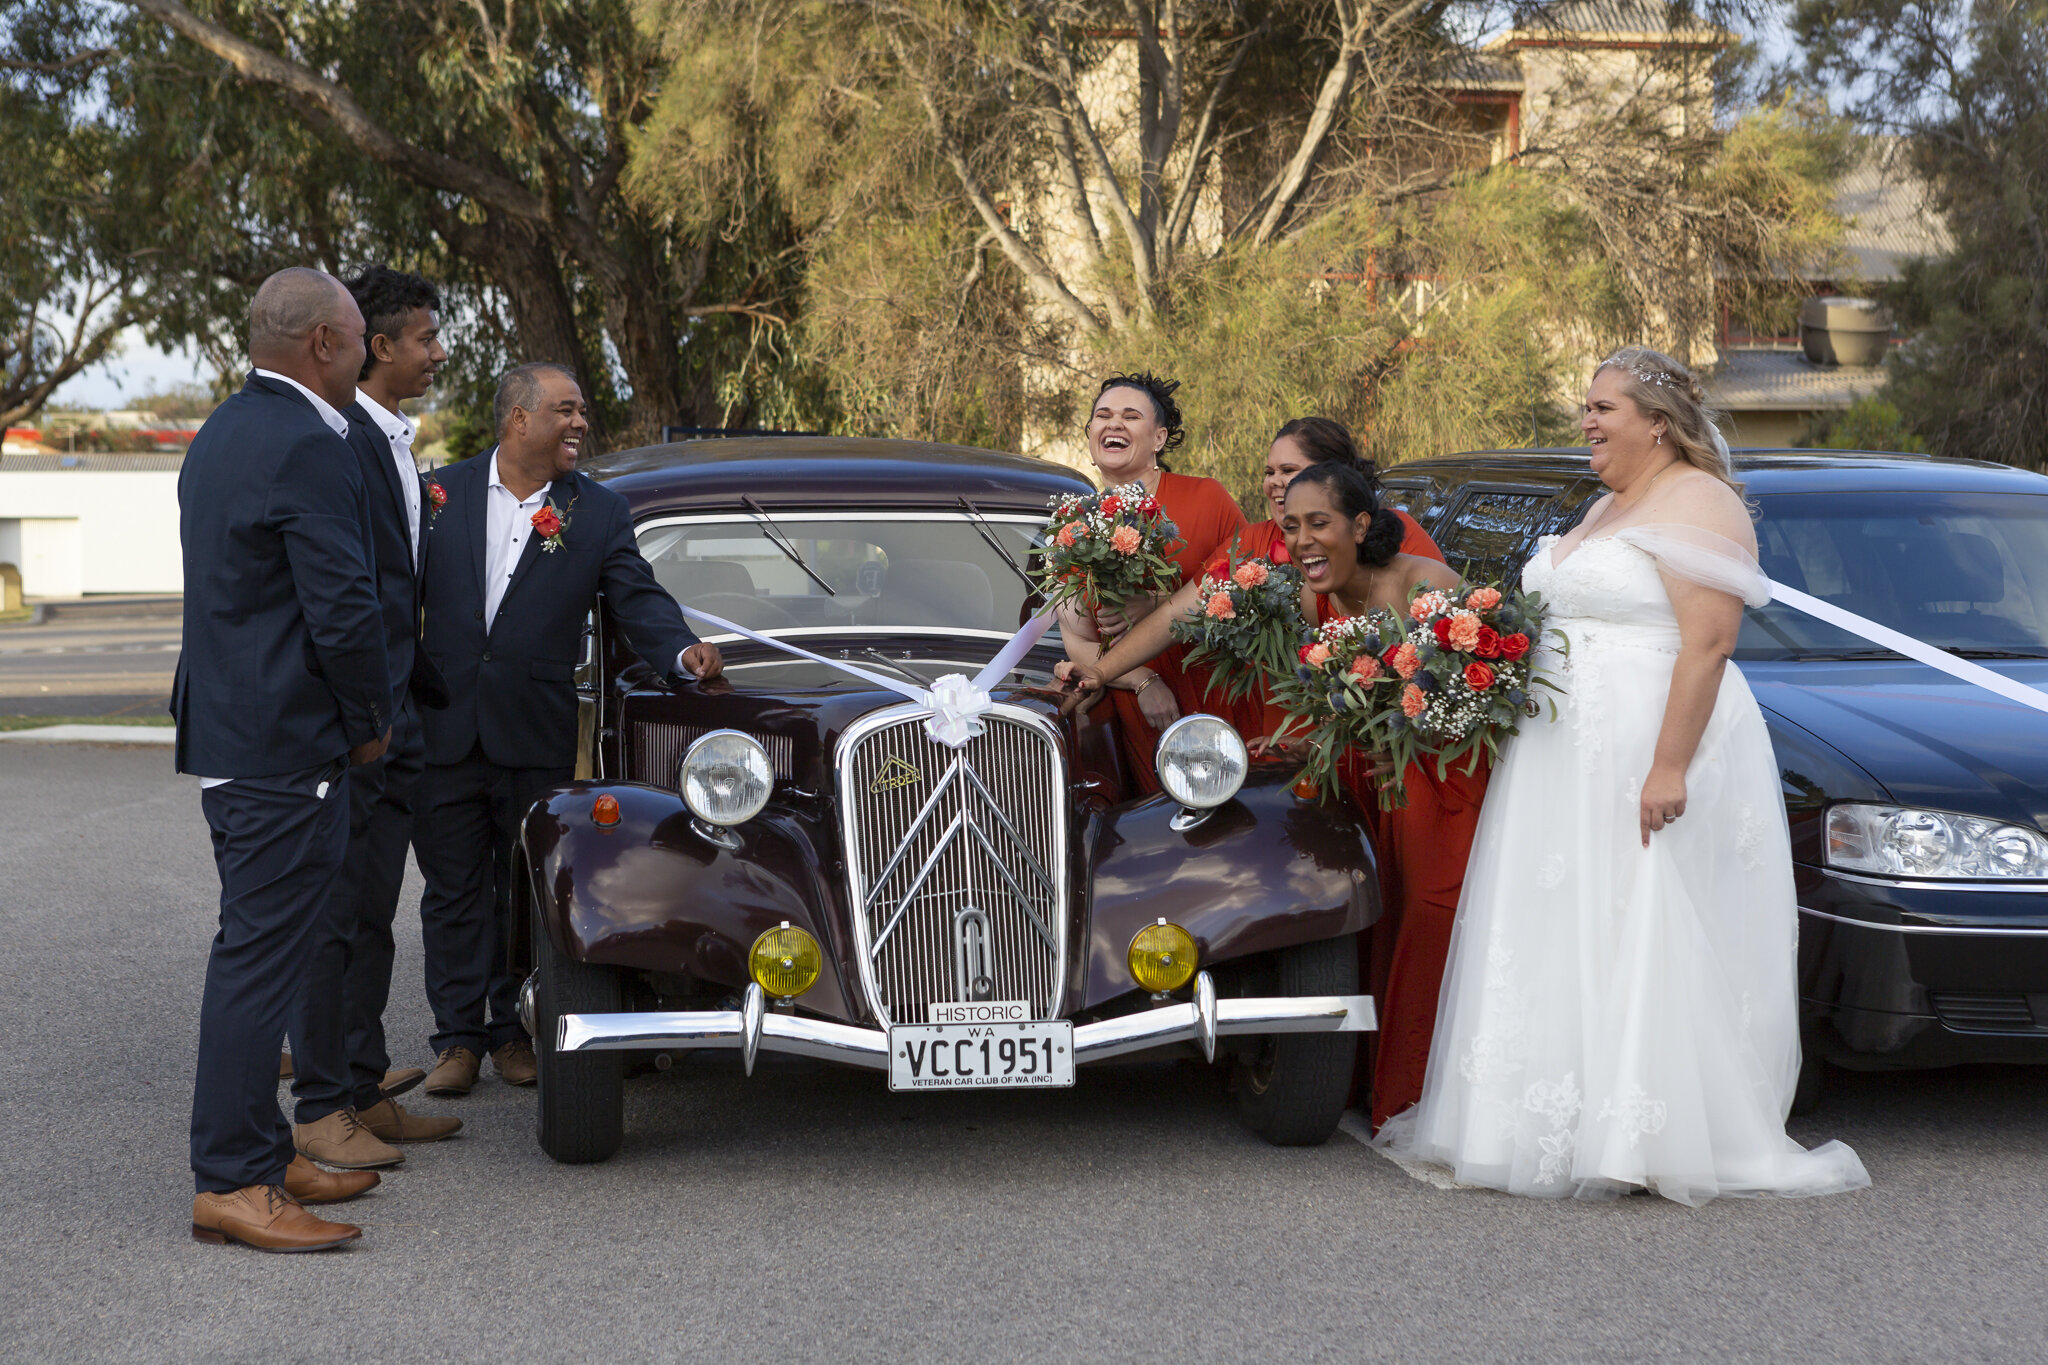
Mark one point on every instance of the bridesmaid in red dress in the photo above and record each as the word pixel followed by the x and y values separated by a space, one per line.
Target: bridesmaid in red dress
pixel 1301 442
pixel 1135 421
pixel 1348 550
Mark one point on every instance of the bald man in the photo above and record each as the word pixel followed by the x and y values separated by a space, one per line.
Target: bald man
pixel 282 686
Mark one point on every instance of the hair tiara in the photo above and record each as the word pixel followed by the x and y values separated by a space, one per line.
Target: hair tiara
pixel 1641 373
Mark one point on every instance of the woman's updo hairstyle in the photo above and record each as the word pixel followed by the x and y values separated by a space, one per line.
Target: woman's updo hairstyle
pixel 1355 496
pixel 1325 440
pixel 1661 387
pixel 1160 391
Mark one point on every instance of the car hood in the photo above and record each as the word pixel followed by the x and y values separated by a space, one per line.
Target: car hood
pixel 1926 738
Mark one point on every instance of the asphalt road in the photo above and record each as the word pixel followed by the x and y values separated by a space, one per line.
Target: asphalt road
pixel 105 658
pixel 809 1214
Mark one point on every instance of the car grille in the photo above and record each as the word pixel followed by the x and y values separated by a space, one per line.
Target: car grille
pixel 654 749
pixel 1973 1012
pixel 935 834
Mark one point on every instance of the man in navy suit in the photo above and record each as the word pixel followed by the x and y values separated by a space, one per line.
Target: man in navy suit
pixel 346 1111
pixel 282 685
pixel 519 551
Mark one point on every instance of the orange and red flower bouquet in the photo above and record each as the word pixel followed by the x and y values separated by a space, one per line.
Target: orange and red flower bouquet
pixel 1105 549
pixel 1245 627
pixel 1449 680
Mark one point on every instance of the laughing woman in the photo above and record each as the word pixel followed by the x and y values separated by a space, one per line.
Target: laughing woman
pixel 1134 423
pixel 1348 548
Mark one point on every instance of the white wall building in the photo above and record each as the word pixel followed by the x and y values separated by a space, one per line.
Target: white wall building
pixel 91 524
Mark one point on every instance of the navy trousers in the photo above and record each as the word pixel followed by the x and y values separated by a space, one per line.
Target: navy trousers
pixel 467 824
pixel 277 842
pixel 338 1052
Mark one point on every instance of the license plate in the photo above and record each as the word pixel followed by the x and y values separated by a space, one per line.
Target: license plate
pixel 974 1056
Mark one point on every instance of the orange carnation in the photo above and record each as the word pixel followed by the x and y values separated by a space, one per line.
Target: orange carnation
pixel 1365 668
pixel 1250 574
pixel 1066 535
pixel 1318 655
pixel 1125 540
pixel 1413 701
pixel 1407 662
pixel 1483 599
pixel 1464 632
pixel 1220 608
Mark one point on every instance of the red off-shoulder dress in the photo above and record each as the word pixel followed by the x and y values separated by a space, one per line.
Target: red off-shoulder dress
pixel 1208 520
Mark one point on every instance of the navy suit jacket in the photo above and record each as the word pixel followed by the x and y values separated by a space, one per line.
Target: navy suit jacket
pixel 398 583
pixel 283 666
pixel 511 680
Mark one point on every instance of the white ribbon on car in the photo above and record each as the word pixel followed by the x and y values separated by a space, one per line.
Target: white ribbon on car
pixel 957 702
pixel 1919 650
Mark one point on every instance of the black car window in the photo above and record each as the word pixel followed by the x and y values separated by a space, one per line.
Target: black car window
pixel 1419 497
pixel 888 572
pixel 1491 531
pixel 1962 571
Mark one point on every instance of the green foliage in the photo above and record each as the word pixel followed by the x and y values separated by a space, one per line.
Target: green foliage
pixel 1966 84
pixel 1872 422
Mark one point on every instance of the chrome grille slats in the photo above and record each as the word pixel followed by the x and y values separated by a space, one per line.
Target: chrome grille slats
pixel 930 830
pixel 655 748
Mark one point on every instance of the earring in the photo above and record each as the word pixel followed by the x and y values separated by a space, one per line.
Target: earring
pixel 1660 438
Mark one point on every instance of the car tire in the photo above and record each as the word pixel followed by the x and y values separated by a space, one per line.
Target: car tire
pixel 1293 1089
pixel 582 1096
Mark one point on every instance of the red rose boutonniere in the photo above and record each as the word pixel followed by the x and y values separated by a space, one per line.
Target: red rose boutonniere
pixel 437 498
pixel 549 523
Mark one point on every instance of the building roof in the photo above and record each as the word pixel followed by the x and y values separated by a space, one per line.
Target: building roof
pixel 1465 69
pixel 1591 23
pixel 1891 220
pixel 1786 381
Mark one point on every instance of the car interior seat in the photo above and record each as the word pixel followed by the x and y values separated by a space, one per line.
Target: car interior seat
pixel 934 592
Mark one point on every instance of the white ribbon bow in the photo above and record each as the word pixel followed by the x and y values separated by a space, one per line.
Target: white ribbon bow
pixel 957 702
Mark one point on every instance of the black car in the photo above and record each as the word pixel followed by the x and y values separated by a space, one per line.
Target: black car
pixel 787 860
pixel 1917 800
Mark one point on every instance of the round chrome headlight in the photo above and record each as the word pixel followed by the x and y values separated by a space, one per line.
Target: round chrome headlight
pixel 1202 761
pixel 726 778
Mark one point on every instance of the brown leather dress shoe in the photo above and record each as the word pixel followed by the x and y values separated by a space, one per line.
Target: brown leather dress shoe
pixel 391 1123
pixel 515 1063
pixel 284 1066
pixel 401 1079
pixel 455 1072
pixel 267 1218
pixel 310 1184
pixel 341 1140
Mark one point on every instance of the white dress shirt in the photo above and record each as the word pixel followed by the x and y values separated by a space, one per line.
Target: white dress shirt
pixel 339 425
pixel 399 430
pixel 508 521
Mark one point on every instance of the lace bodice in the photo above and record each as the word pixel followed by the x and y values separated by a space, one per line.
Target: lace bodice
pixel 1607 592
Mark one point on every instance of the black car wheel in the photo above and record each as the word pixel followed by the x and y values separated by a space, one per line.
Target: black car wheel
pixel 583 1095
pixel 1291 1092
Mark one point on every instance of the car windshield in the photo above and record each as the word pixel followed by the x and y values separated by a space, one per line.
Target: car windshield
pixel 1966 572
pixel 838 572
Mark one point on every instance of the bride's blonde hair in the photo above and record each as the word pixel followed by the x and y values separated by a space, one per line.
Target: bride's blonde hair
pixel 1662 387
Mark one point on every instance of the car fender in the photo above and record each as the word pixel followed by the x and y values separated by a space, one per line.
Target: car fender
pixel 1267 869
pixel 654 893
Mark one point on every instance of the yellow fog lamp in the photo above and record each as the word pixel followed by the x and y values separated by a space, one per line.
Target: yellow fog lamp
pixel 1163 956
pixel 785 961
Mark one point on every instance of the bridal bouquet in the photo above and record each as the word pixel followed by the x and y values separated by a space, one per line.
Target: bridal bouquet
pixel 1106 549
pixel 1245 626
pixel 1450 679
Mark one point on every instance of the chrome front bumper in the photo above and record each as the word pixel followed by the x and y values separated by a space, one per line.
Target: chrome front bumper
pixel 753 1028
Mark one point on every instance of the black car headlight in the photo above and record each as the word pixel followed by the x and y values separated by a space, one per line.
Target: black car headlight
pixel 1904 841
pixel 1201 761
pixel 725 777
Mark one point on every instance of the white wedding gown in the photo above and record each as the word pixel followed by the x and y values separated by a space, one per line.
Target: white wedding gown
pixel 1613 1016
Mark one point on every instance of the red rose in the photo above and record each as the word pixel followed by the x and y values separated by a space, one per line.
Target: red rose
pixel 1514 646
pixel 1489 643
pixel 1302 653
pixel 1441 627
pixel 1112 506
pixel 1478 677
pixel 1150 506
pixel 547 522
pixel 437 496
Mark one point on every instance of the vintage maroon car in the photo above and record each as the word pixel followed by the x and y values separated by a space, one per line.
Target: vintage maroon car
pixel 787 861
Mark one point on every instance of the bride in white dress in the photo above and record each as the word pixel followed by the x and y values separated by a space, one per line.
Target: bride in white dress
pixel 1620 1011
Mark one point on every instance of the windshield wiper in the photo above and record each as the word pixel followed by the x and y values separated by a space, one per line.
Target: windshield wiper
pixel 981 525
pixel 2000 653
pixel 1831 655
pixel 782 542
pixel 885 661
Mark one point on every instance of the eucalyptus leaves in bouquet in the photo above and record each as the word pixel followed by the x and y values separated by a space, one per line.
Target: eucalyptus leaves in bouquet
pixel 1245 627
